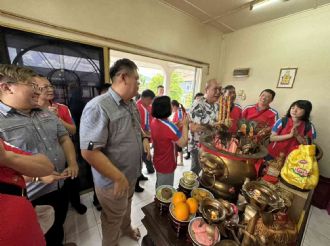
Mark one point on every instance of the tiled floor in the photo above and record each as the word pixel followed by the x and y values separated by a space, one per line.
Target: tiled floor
pixel 318 228
pixel 85 230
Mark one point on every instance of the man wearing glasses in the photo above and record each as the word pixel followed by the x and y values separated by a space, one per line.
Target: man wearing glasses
pixel 46 90
pixel 112 142
pixel 47 94
pixel 25 125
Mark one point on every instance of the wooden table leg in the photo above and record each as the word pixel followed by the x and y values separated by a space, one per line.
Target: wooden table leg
pixel 147 241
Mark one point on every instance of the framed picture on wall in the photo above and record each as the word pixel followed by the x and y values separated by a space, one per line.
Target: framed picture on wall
pixel 286 78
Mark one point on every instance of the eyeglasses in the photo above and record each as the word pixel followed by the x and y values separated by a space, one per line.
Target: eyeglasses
pixel 46 88
pixel 32 85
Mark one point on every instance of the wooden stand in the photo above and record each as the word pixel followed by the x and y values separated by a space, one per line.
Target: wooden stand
pixel 299 210
pixel 160 231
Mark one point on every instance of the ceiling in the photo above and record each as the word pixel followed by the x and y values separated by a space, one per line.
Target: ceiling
pixel 231 15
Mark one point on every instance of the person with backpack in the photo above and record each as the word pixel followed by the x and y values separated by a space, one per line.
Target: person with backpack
pixel 292 130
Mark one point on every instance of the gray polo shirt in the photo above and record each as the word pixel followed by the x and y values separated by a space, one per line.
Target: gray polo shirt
pixel 114 127
pixel 37 132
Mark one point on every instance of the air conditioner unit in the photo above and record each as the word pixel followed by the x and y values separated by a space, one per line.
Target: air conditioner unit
pixel 241 72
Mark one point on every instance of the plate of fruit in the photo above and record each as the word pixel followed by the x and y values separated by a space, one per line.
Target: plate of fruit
pixel 183 209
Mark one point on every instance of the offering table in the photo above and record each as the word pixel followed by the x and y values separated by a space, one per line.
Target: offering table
pixel 159 229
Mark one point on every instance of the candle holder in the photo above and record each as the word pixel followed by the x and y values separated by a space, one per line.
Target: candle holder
pixel 224 111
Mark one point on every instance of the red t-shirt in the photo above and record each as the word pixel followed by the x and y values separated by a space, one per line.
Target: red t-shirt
pixel 268 116
pixel 63 112
pixel 164 134
pixel 145 115
pixel 19 223
pixel 8 175
pixel 235 115
pixel 286 146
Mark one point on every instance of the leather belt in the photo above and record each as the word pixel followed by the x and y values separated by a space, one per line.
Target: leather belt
pixel 12 189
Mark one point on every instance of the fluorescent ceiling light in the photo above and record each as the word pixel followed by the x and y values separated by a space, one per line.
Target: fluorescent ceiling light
pixel 257 4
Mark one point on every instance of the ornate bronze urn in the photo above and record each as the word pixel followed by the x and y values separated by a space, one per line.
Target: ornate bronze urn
pixel 223 172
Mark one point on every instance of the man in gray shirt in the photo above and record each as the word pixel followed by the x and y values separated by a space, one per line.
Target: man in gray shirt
pixel 111 142
pixel 36 130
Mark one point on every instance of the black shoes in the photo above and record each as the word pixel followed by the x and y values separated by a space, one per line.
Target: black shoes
pixel 142 178
pixel 97 205
pixel 187 156
pixel 138 189
pixel 80 208
pixel 151 171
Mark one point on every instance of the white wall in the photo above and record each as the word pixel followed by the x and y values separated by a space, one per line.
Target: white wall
pixel 302 41
pixel 146 23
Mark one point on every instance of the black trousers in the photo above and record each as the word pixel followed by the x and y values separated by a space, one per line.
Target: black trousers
pixel 73 188
pixel 59 201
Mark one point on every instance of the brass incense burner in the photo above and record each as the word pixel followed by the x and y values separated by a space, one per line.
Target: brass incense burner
pixel 262 197
pixel 224 172
pixel 212 210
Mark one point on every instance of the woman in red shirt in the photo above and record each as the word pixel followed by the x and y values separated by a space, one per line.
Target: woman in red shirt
pixel 19 223
pixel 292 130
pixel 165 135
pixel 179 113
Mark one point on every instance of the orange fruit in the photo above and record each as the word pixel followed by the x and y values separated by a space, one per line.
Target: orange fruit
pixel 181 211
pixel 178 197
pixel 192 204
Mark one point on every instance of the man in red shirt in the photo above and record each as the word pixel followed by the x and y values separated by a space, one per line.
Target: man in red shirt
pixel 235 109
pixel 262 112
pixel 160 90
pixel 144 107
pixel 45 100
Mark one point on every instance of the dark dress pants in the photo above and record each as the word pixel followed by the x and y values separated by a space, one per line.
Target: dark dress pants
pixel 73 189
